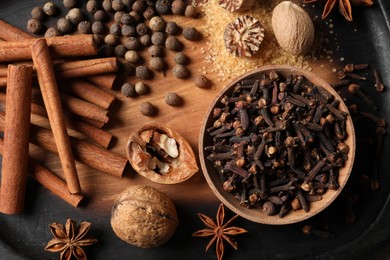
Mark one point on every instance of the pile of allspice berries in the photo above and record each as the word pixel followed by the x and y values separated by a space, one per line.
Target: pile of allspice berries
pixel 124 28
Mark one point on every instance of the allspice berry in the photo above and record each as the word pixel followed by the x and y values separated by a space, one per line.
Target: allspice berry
pixel 34 26
pixel 155 51
pixel 120 50
pixel 181 58
pixel 141 88
pixel 128 90
pixel 173 99
pixel 178 7
pixel 158 38
pixel 98 27
pixel 145 40
pixel 132 43
pixel 163 6
pixel 137 17
pixel 142 72
pixel 139 6
pixel 128 3
pixel 111 39
pixel 50 8
pixel 84 27
pixel 70 3
pixel 52 32
pixel 156 63
pixel 190 11
pixel 172 28
pixel 118 16
pixel 128 30
pixel 157 24
pixel 38 13
pixel 180 72
pixel 173 44
pixel 98 39
pixel 106 50
pixel 132 56
pixel 149 12
pixel 99 15
pixel 74 15
pixel 115 29
pixel 127 19
pixel 117 5
pixel 141 29
pixel 64 25
pixel 148 109
pixel 191 33
pixel 107 6
pixel 92 6
pixel 202 81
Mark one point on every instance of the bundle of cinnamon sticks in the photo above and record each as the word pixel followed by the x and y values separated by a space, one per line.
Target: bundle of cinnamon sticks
pixel 76 103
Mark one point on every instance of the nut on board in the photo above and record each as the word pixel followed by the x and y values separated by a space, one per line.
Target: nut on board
pixel 161 154
pixel 143 216
pixel 293 28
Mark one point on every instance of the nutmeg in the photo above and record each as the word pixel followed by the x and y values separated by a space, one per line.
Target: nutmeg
pixel 175 161
pixel 293 28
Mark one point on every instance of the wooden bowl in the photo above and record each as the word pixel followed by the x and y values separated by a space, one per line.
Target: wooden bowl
pixel 254 214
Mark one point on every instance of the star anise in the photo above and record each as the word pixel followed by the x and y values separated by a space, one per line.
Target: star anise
pixel 219 231
pixel 69 240
pixel 344 6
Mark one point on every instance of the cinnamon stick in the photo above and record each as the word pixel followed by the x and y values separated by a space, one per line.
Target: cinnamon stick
pixel 85 68
pixel 16 139
pixel 84 108
pixel 79 68
pixel 93 122
pixel 47 82
pixel 9 32
pixel 60 46
pixel 94 133
pixel 3 82
pixel 78 107
pixel 89 92
pixel 107 81
pixel 87 153
pixel 49 180
pixel 53 183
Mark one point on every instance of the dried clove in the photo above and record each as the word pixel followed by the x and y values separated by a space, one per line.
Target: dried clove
pixel 355 89
pixel 378 81
pixel 354 67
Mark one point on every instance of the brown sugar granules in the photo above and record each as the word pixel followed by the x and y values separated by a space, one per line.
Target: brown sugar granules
pixel 219 61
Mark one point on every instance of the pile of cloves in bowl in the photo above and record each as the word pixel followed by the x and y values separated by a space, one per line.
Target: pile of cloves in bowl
pixel 278 143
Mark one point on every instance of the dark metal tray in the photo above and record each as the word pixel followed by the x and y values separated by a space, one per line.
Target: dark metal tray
pixel 366 39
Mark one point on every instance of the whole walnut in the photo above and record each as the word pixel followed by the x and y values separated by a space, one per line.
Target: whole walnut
pixel 144 216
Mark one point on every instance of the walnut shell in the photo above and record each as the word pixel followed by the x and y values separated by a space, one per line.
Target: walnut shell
pixel 172 156
pixel 144 216
pixel 293 28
